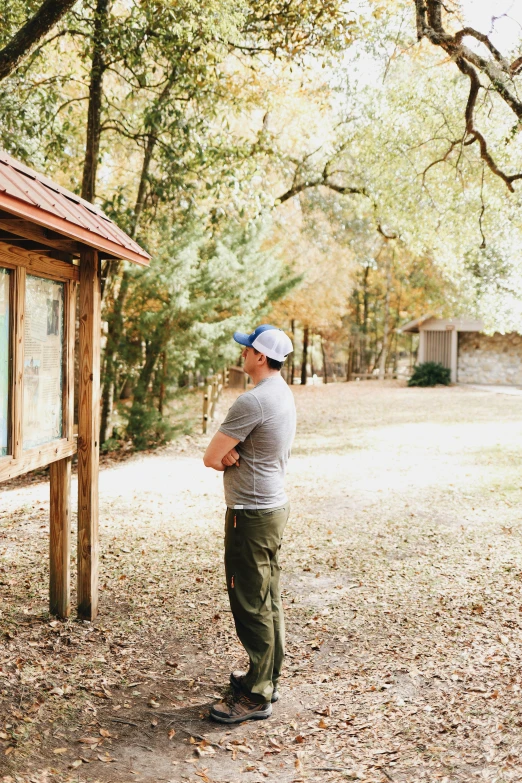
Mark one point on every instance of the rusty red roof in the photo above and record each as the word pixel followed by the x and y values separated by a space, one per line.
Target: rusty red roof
pixel 29 195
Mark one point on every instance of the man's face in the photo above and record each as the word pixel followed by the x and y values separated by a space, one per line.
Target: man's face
pixel 250 359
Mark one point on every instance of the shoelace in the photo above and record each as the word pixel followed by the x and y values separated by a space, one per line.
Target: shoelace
pixel 233 700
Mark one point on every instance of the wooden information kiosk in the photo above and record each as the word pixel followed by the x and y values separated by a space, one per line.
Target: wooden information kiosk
pixel 51 242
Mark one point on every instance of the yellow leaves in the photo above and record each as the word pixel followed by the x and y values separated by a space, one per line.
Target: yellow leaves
pixel 105 733
pixel 60 751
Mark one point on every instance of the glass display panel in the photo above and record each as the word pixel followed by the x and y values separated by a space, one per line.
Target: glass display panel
pixel 43 361
pixel 4 359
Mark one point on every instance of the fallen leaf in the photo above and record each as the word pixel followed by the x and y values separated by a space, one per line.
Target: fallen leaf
pixel 60 751
pixel 172 733
pixel 205 750
pixel 106 759
pixel 76 763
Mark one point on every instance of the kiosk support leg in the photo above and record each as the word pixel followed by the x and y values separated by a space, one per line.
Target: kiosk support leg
pixel 89 433
pixel 60 540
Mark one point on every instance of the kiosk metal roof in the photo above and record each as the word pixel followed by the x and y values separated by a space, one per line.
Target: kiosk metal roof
pixel 28 195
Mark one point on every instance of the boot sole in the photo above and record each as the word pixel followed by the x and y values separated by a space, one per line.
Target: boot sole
pixel 253 716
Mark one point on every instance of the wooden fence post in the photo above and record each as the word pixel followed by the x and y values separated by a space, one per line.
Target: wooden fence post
pixel 211 397
pixel 207 401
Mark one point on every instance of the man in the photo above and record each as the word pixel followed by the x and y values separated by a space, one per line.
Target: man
pixel 252 447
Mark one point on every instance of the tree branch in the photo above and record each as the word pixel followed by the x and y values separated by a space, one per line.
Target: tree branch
pixel 49 13
pixel 498 71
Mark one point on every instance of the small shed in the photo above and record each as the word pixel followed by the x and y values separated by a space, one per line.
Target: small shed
pixel 51 243
pixel 471 355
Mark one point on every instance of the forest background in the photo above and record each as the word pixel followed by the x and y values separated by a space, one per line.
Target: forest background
pixel 336 167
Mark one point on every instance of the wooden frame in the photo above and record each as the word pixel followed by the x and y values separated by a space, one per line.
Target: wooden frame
pixel 56 453
pixel 50 232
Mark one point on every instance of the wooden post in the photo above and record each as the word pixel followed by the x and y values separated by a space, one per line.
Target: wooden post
pixel 60 539
pixel 214 397
pixel 88 433
pixel 18 319
pixel 60 475
pixel 206 408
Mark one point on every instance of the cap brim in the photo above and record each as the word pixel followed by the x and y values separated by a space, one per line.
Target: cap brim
pixel 242 339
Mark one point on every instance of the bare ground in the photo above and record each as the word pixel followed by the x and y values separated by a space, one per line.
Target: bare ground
pixel 402 579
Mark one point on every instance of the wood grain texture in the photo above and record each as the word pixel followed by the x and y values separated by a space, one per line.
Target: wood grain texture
pixel 23 228
pixel 69 342
pixel 38 457
pixel 37 264
pixel 88 433
pixel 17 368
pixel 60 538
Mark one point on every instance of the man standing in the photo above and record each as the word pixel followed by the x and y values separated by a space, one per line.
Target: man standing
pixel 252 447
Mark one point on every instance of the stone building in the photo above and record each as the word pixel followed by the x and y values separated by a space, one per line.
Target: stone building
pixel 472 356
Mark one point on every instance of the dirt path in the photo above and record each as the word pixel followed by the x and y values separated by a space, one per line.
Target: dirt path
pixel 402 580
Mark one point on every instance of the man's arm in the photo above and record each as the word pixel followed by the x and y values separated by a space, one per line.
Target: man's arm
pixel 220 448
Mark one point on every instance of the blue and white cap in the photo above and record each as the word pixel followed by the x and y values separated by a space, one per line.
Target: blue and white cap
pixel 268 340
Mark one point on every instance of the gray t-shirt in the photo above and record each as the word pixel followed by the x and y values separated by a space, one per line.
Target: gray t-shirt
pixel 263 420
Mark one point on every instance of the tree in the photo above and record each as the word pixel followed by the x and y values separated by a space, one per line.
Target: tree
pixel 34 29
pixel 434 20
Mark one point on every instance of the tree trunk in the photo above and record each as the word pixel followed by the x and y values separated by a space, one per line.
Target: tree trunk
pixel 162 388
pixel 49 13
pixel 92 144
pixel 305 357
pixel 349 363
pixel 384 352
pixel 114 333
pixel 366 307
pixel 325 370
pixel 151 356
pixel 115 319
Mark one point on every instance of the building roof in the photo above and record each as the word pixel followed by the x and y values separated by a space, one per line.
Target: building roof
pixel 413 326
pixel 432 323
pixel 26 194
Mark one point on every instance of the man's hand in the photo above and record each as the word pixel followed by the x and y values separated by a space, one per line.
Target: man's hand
pixel 230 459
pixel 220 447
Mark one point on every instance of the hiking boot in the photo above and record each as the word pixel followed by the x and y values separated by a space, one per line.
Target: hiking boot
pixel 236 681
pixel 239 708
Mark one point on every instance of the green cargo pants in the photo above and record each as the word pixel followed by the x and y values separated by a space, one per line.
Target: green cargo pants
pixel 252 544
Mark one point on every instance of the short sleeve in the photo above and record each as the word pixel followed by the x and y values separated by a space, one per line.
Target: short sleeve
pixel 243 416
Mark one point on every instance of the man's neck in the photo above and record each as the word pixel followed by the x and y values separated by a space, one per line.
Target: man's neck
pixel 262 375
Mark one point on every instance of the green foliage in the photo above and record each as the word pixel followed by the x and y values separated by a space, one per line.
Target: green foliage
pixel 430 374
pixel 146 426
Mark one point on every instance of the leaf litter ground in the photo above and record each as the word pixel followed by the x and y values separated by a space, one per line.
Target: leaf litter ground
pixel 402 586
